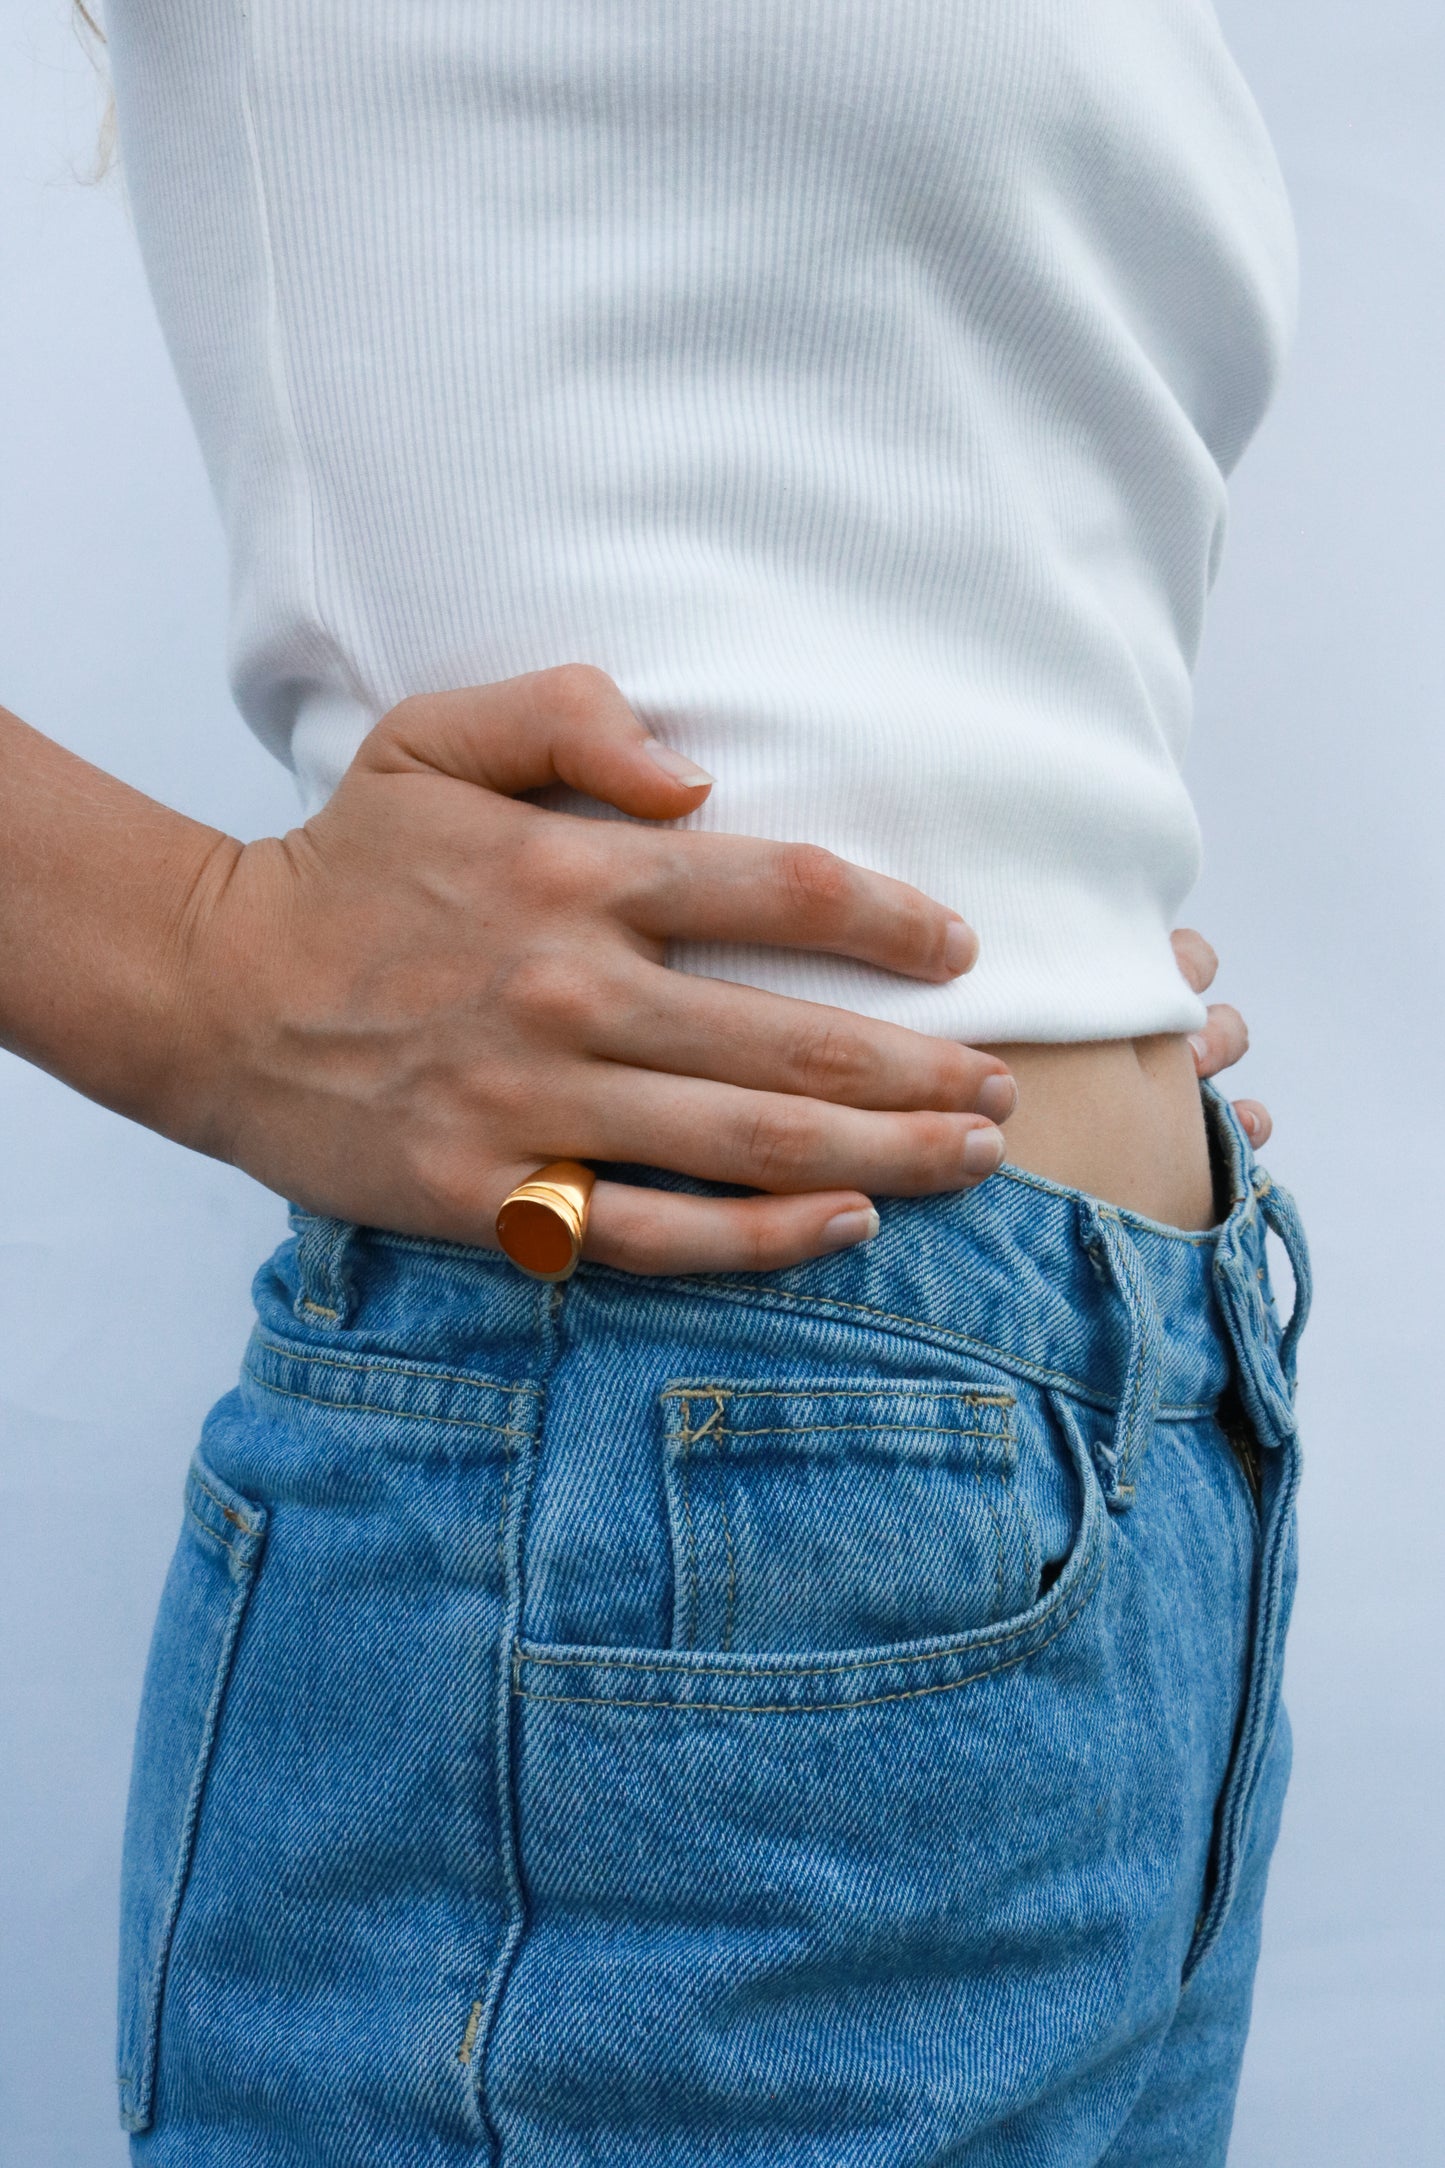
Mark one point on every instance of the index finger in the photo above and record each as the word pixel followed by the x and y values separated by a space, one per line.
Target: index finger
pixel 1195 958
pixel 691 887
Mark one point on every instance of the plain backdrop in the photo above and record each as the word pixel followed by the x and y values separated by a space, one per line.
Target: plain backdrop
pixel 124 1262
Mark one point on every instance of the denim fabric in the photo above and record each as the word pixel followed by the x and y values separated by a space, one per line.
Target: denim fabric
pixel 830 1718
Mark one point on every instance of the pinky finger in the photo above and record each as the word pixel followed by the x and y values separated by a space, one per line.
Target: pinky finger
pixel 655 1230
pixel 1223 1041
pixel 1255 1121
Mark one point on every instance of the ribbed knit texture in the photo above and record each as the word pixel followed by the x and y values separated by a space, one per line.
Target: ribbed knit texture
pixel 854 380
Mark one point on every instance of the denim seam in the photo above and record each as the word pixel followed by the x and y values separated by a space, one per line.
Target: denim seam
pixel 1136 1376
pixel 1015 1504
pixel 502 1511
pixel 1160 1230
pixel 237 1520
pixel 935 1335
pixel 817 1708
pixel 1021 1177
pixel 845 1430
pixel 498 1969
pixel 387 1368
pixel 1258 1720
pixel 730 1604
pixel 693 1601
pixel 882 1391
pixel 139 2115
pixel 241 1552
pixel 370 1407
pixel 991 1502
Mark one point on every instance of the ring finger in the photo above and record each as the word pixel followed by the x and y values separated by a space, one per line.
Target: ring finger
pixel 777 1141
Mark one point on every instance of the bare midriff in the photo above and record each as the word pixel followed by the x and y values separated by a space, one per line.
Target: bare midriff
pixel 1120 1118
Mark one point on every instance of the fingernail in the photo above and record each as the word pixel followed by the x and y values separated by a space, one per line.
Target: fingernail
pixel 960 947
pixel 859 1225
pixel 1201 1048
pixel 679 768
pixel 982 1152
pixel 997 1097
pixel 1250 1121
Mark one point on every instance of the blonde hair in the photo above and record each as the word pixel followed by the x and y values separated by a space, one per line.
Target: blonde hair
pixel 92 37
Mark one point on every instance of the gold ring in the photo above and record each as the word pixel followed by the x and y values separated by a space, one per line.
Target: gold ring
pixel 542 1221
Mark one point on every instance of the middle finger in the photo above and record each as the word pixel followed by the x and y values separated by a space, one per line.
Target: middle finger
pixel 693 1026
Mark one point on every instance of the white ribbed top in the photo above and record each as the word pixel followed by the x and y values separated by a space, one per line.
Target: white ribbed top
pixel 855 380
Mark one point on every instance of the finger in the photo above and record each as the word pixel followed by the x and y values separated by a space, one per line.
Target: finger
pixel 1194 956
pixel 689 887
pixel 654 1230
pixel 1223 1041
pixel 686 1026
pixel 565 725
pixel 777 1142
pixel 1256 1121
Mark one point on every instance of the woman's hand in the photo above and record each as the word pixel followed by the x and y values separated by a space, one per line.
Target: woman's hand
pixel 1225 1037
pixel 434 986
pixel 399 1010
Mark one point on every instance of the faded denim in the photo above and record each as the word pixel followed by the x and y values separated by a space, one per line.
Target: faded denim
pixel 830 1718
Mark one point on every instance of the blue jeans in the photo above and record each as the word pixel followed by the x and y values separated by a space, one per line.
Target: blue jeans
pixel 830 1718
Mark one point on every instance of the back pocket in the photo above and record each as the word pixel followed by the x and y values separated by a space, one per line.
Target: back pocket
pixel 827 1516
pixel 200 1615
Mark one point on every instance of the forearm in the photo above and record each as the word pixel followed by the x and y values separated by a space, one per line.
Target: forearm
pixel 100 890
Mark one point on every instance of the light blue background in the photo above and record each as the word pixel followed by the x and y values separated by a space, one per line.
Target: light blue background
pixel 124 1262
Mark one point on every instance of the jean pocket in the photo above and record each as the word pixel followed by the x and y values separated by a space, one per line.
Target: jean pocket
pixel 202 1606
pixel 828 1516
pixel 938 1536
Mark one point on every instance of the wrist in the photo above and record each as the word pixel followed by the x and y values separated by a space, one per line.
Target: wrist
pixel 101 892
pixel 182 1087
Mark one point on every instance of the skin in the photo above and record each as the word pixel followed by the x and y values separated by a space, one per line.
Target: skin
pixel 396 1012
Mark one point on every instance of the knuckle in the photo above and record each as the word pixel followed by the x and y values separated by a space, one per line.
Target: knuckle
pixel 507 1097
pixel 555 993
pixel 573 691
pixel 554 862
pixel 920 928
pixel 407 711
pixel 829 1063
pixel 816 884
pixel 774 1145
pixel 397 732
pixel 949 1078
pixel 936 1142
pixel 759 1243
pixel 442 1180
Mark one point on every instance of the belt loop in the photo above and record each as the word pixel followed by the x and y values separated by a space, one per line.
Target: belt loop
pixel 1105 1239
pixel 325 1293
pixel 1282 1214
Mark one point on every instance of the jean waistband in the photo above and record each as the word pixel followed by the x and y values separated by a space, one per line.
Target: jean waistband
pixel 1138 1319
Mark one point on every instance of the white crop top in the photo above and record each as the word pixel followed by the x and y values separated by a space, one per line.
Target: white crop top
pixel 854 380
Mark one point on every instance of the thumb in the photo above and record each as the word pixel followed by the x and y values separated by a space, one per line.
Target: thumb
pixel 566 725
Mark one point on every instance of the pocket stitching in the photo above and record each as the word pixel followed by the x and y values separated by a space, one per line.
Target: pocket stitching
pixel 813 1708
pixel 302 1351
pixel 603 1659
pixel 730 1605
pixel 368 1407
pixel 692 1592
pixel 677 1400
pixel 137 2110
